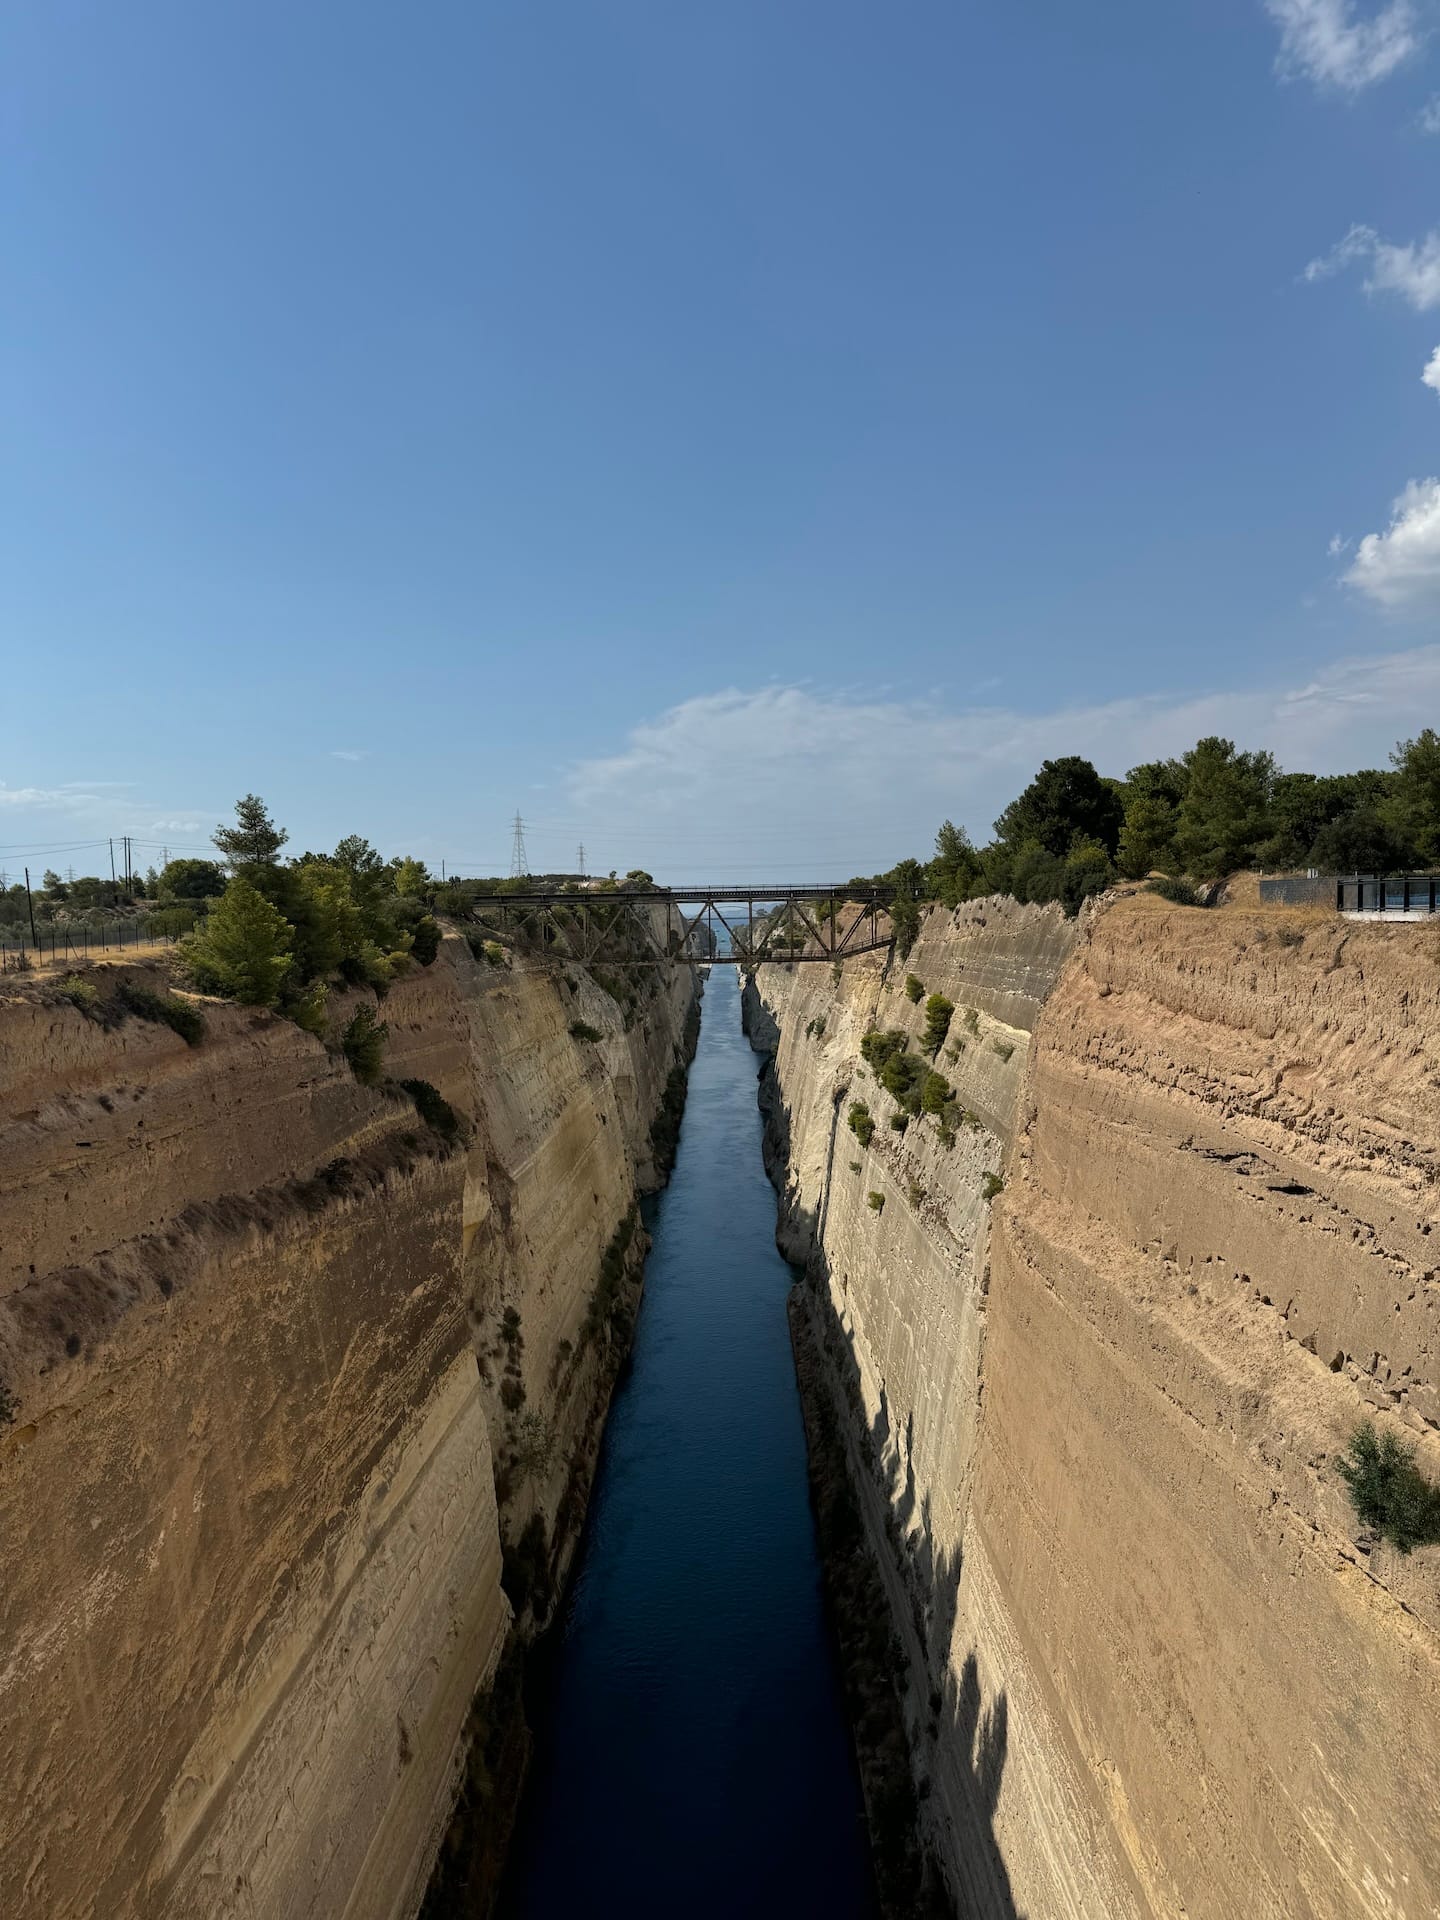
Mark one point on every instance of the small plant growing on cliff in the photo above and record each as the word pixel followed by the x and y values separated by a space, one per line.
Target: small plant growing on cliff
pixel 1178 892
pixel 899 1122
pixel 425 940
pixel 579 1030
pixel 835 972
pixel 307 1009
pixel 938 1012
pixel 81 994
pixel 494 953
pixel 512 1393
pixel 854 1166
pixel 534 1445
pixel 876 1201
pixel 972 1020
pixel 861 1123
pixel 915 1194
pixel 363 1044
pixel 990 1186
pixel 1003 1047
pixel 165 1009
pixel 815 1029
pixel 935 1093
pixel 9 1406
pixel 914 989
pixel 1388 1490
pixel 433 1108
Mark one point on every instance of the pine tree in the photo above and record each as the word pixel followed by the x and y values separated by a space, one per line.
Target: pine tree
pixel 255 839
pixel 243 948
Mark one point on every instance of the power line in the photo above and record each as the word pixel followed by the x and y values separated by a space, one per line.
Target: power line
pixel 519 865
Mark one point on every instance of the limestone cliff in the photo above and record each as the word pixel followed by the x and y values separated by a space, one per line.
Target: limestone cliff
pixel 268 1340
pixel 1152 1665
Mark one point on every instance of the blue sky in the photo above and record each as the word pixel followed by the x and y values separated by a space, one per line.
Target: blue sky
pixel 735 436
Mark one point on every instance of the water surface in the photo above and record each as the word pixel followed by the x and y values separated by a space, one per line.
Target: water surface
pixel 692 1756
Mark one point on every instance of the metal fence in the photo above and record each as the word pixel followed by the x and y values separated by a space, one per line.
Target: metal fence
pixel 1397 893
pixel 19 952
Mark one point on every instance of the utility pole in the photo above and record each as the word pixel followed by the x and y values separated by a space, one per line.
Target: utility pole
pixel 519 864
pixel 31 905
pixel 112 860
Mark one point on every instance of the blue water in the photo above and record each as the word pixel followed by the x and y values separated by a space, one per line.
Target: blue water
pixel 692 1756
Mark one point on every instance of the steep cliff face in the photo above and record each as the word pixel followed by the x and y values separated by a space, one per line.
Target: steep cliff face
pixel 1154 1667
pixel 249 1313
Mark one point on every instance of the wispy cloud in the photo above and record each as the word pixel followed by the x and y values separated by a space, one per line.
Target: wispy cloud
pixel 345 753
pixel 1430 115
pixel 1412 271
pixel 1400 568
pixel 842 783
pixel 1336 545
pixel 1431 375
pixel 1328 43
pixel 175 826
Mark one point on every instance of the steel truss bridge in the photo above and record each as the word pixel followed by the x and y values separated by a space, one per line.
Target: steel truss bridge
pixel 676 926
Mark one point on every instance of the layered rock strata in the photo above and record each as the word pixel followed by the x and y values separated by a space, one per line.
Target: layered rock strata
pixel 268 1339
pixel 1096 1361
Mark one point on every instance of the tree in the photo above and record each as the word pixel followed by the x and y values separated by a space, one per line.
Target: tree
pixel 1087 871
pixel 1224 816
pixel 1361 841
pixel 1414 811
pixel 356 855
pixel 190 880
pixel 254 840
pixel 1152 795
pixel 953 872
pixel 1066 799
pixel 54 885
pixel 412 879
pixel 243 948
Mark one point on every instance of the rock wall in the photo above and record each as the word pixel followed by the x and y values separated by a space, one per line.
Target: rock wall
pixel 248 1483
pixel 1152 1664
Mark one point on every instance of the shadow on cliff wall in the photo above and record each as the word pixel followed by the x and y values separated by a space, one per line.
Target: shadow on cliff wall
pixel 894 1619
pixel 958 1742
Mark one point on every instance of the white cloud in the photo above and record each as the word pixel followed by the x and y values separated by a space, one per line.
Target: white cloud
pixel 175 826
pixel 1430 115
pixel 1412 271
pixel 345 753
pixel 824 785
pixel 66 799
pixel 1431 375
pixel 1324 41
pixel 1337 544
pixel 1401 567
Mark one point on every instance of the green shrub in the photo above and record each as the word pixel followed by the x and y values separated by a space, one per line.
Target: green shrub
pixel 425 939
pixel 902 1076
pixel 854 1166
pixel 861 1123
pixel 164 1009
pixel 512 1393
pixel 972 1020
pixel 241 949
pixel 534 1445
pixel 307 1009
pixel 876 1201
pixel 938 1012
pixel 914 988
pixel 991 1185
pixel 580 1031
pixel 899 1122
pixel 363 1043
pixel 1003 1047
pixel 433 1108
pixel 935 1093
pixel 915 1194
pixel 1178 892
pixel 815 1029
pixel 1388 1490
pixel 494 953
pixel 83 995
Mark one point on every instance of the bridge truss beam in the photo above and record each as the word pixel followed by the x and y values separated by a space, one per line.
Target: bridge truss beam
pixel 626 929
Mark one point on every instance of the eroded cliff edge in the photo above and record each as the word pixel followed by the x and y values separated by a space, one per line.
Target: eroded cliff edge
pixel 274 1344
pixel 1151 1664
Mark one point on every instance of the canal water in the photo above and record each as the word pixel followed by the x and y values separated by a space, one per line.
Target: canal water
pixel 692 1756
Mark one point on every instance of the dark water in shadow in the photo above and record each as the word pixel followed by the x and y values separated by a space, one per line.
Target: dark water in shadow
pixel 692 1756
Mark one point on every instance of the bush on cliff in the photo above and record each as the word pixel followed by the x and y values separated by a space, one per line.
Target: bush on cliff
pixel 914 989
pixel 1388 1490
pixel 363 1043
pixel 242 949
pixel 938 1012
pixel 164 1009
pixel 861 1122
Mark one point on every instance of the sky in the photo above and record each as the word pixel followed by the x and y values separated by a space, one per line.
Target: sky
pixel 733 437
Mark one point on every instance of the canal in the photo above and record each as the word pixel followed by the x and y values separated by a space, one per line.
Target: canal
pixel 692 1755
